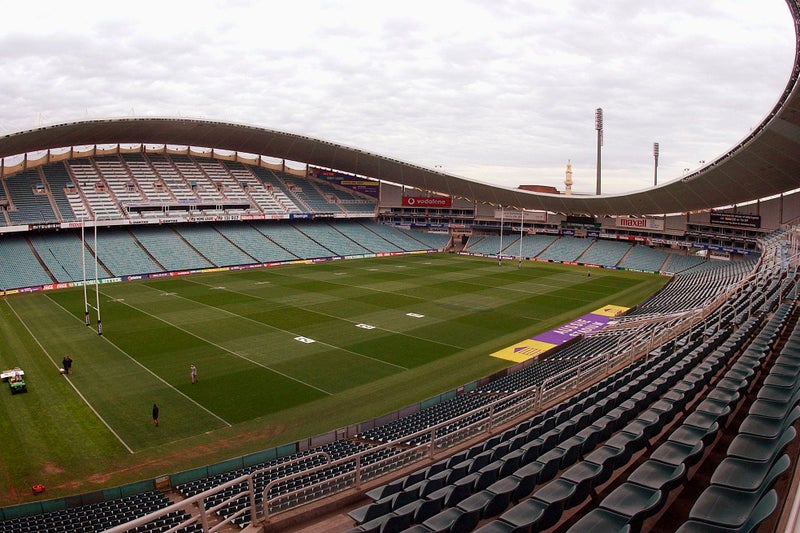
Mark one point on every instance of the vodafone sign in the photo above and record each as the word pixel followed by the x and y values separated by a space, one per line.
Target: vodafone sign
pixel 425 201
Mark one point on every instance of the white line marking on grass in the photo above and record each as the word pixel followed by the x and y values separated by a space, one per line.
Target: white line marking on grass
pixel 224 349
pixel 71 384
pixel 344 320
pixel 293 333
pixel 159 378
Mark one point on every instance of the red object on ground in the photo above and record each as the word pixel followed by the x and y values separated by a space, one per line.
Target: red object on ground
pixel 38 488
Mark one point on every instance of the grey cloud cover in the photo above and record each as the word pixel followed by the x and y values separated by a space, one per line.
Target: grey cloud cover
pixel 502 92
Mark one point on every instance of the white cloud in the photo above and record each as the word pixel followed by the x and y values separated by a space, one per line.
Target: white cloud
pixel 503 92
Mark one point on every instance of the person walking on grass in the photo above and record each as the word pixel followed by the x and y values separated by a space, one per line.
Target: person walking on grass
pixel 193 372
pixel 155 415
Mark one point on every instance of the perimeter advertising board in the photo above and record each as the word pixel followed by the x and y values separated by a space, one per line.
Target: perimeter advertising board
pixel 348 181
pixel 733 219
pixel 527 216
pixel 427 201
pixel 651 224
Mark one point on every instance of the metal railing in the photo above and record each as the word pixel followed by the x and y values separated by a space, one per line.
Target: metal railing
pixel 367 465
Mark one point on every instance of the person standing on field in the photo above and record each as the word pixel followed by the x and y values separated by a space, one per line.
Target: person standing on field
pixel 193 372
pixel 155 415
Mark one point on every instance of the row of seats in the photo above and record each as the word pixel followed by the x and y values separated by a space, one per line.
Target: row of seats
pixel 89 518
pixel 149 249
pixel 104 185
pixel 463 486
pixel 645 491
pixel 689 344
pixel 456 517
pixel 597 252
pixel 526 455
pixel 740 494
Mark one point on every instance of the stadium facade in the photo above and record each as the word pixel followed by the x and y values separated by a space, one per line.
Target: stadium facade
pixel 639 413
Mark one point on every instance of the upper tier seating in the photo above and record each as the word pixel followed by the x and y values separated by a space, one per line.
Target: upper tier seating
pixel 255 189
pixel 276 188
pixel 59 183
pixel 31 206
pixel 102 204
pixel 146 179
pixel 148 185
pixel 309 194
pixel 179 187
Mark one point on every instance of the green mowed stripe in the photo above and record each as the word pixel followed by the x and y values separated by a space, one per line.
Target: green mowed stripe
pixel 438 316
pixel 46 429
pixel 242 394
pixel 461 331
pixel 121 391
pixel 167 351
pixel 256 338
pixel 335 370
pixel 408 352
pixel 291 319
pixel 388 299
pixel 209 294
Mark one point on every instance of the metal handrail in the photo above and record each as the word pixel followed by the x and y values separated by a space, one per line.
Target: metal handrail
pixel 586 370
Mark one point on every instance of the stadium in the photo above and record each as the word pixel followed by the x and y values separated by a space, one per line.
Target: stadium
pixel 376 346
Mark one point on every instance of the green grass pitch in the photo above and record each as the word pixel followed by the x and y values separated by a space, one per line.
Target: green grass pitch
pixel 283 354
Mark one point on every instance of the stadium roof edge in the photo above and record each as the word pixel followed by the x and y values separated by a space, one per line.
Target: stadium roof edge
pixel 763 164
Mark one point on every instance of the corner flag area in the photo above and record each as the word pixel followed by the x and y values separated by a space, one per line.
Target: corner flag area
pixel 585 325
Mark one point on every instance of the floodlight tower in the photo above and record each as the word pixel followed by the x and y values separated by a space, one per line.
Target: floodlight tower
pixel 598 125
pixel 655 162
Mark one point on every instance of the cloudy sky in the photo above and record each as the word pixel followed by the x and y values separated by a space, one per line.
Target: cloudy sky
pixel 502 91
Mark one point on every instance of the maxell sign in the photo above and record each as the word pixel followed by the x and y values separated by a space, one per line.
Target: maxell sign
pixel 651 224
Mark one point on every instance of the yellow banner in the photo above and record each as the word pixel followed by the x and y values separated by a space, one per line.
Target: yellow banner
pixel 610 310
pixel 523 351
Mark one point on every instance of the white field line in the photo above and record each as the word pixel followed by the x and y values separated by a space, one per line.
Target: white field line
pixel 159 378
pixel 71 384
pixel 223 348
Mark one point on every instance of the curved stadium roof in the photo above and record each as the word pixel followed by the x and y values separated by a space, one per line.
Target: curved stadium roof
pixel 765 163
